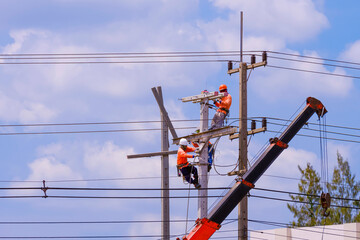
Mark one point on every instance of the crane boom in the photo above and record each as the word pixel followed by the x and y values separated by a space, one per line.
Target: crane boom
pixel 206 227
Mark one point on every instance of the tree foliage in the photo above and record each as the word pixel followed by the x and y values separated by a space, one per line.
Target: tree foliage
pixel 342 188
pixel 309 187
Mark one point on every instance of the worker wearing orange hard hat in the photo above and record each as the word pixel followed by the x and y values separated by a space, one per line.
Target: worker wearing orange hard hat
pixel 223 108
pixel 184 166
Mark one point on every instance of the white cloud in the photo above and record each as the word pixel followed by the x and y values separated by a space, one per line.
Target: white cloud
pixel 48 168
pixel 352 52
pixel 286 84
pixel 148 228
pixel 13 109
pixel 291 20
pixel 109 160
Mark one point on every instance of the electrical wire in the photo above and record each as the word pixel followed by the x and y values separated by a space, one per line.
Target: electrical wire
pixel 311 71
pixel 116 62
pixel 88 131
pixel 116 57
pixel 171 189
pixel 311 57
pixel 122 53
pixel 317 63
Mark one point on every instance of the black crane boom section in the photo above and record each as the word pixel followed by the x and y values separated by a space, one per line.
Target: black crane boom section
pixel 206 227
pixel 241 188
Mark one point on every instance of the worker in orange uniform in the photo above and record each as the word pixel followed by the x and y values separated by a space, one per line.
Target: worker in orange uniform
pixel 223 108
pixel 185 167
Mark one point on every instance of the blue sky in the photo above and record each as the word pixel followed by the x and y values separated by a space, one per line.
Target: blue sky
pixel 122 92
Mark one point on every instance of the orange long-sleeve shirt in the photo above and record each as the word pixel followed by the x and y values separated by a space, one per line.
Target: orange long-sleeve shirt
pixel 224 103
pixel 182 155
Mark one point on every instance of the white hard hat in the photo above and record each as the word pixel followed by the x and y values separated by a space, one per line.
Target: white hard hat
pixel 183 142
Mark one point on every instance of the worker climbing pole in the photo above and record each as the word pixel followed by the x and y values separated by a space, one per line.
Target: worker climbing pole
pixel 223 108
pixel 184 166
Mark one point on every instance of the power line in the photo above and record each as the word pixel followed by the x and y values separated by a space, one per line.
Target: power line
pixel 311 123
pixel 115 62
pixel 328 138
pixel 311 57
pixel 317 63
pixel 295 201
pixel 326 131
pixel 122 53
pixel 88 131
pixel 311 71
pixel 85 237
pixel 94 123
pixel 121 56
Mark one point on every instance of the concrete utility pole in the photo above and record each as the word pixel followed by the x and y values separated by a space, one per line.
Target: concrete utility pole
pixel 243 132
pixel 165 210
pixel 243 205
pixel 203 160
pixel 165 126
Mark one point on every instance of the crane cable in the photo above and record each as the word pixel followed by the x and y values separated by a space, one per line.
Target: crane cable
pixel 188 198
pixel 325 198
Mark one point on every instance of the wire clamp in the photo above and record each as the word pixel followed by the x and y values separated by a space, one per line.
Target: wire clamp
pixel 44 189
pixel 249 184
pixel 278 143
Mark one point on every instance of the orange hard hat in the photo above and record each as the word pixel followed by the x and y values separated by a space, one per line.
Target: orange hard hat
pixel 222 87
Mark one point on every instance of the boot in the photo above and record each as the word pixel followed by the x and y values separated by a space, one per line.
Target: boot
pixel 197 185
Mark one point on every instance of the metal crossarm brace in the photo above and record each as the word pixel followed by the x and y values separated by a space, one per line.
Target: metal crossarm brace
pixel 202 96
pixel 208 134
pixel 251 132
pixel 164 112
pixel 251 66
pixel 143 155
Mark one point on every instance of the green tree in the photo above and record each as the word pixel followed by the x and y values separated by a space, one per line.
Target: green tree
pixel 310 187
pixel 342 188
